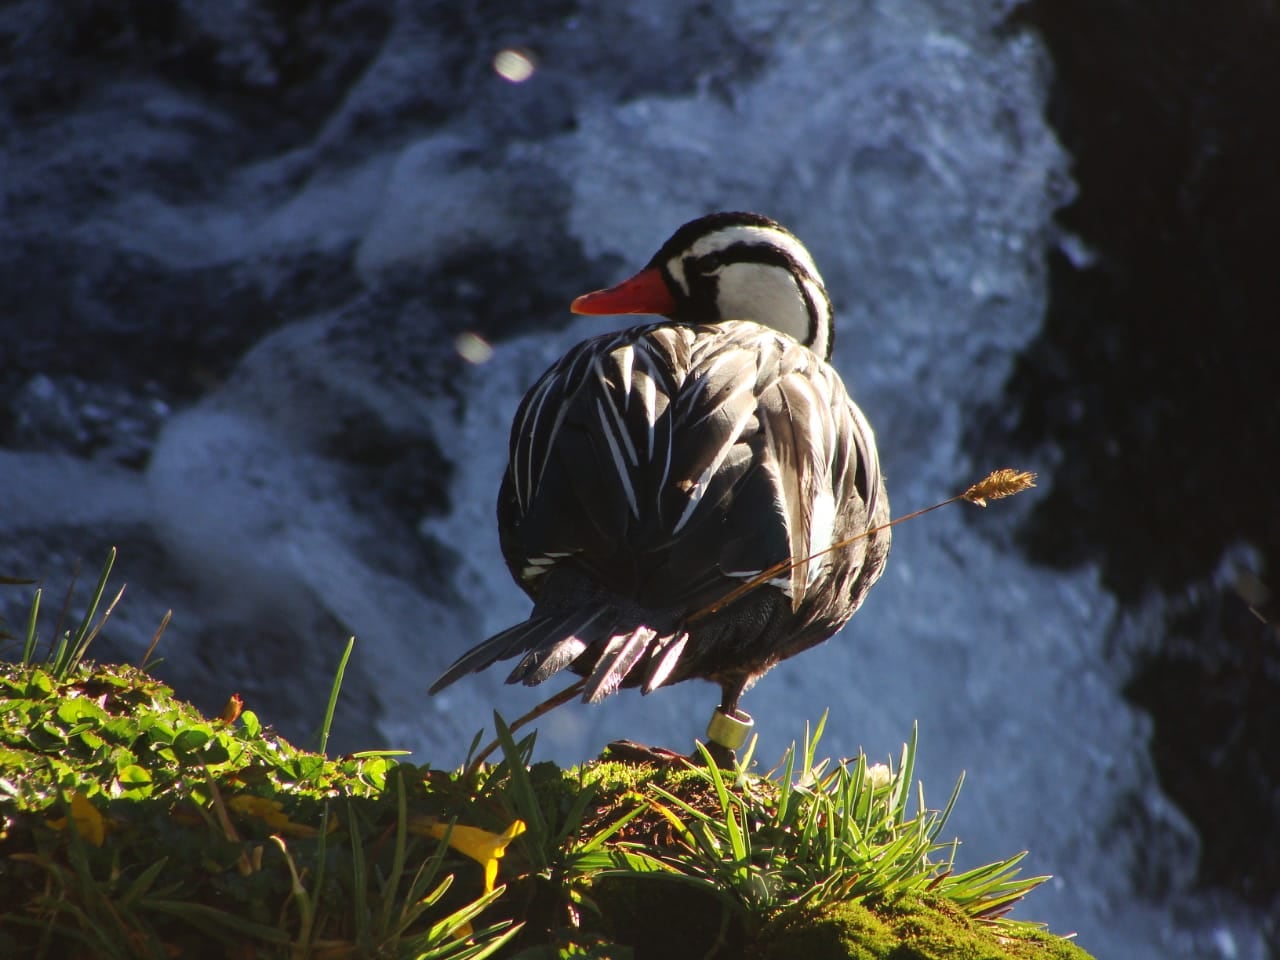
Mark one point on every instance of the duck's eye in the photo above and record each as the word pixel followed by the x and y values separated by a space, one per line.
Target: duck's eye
pixel 707 265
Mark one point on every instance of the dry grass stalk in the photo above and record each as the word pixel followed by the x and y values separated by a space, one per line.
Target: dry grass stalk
pixel 996 485
pixel 999 484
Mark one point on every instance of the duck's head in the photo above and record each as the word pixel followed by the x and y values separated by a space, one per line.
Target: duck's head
pixel 728 266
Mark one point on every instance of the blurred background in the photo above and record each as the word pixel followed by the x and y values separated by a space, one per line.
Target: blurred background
pixel 275 277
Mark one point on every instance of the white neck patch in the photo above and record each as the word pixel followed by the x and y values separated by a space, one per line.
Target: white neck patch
pixel 766 294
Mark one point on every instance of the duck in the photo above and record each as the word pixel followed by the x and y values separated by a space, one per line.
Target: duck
pixel 693 498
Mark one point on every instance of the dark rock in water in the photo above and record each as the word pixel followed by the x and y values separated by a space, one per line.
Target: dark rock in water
pixel 246 251
pixel 1154 376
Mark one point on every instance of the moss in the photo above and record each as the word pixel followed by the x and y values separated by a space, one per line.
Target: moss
pixel 846 930
pixel 620 776
pixel 663 918
pixel 905 928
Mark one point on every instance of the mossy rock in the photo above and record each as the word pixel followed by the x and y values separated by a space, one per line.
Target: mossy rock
pixel 143 813
pixel 905 928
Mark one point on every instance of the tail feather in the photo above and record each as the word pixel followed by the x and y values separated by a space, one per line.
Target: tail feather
pixel 560 642
pixel 550 643
pixel 500 646
pixel 616 662
pixel 538 665
pixel 663 658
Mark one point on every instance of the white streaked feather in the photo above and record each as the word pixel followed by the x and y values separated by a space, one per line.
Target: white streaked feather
pixel 647 387
pixel 666 460
pixel 799 574
pixel 822 524
pixel 699 488
pixel 619 424
pixel 528 434
pixel 619 464
pixel 619 656
pixel 821 423
pixel 626 356
pixel 740 386
pixel 689 396
pixel 548 445
pixel 722 359
pixel 782 581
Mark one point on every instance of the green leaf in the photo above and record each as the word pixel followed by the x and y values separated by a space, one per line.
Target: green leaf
pixel 191 739
pixel 91 740
pixel 79 709
pixel 251 724
pixel 40 685
pixel 123 730
pixel 135 782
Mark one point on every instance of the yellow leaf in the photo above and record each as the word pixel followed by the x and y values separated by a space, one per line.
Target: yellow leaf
pixel 89 822
pixel 480 845
pixel 272 812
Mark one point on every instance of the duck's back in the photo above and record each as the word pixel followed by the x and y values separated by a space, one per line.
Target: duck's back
pixel 662 467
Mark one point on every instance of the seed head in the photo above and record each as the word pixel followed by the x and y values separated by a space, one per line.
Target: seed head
pixel 998 484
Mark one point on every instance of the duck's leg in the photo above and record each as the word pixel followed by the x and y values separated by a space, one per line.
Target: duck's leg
pixel 729 726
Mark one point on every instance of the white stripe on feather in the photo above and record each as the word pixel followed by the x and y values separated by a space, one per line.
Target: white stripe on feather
pixel 619 464
pixel 645 384
pixel 822 523
pixel 699 489
pixel 562 410
pixel 626 356
pixel 619 423
pixel 782 581
pixel 528 436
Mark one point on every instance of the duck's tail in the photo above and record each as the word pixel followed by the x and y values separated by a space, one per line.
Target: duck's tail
pixel 600 642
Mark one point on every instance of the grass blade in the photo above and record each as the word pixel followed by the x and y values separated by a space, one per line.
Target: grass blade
pixel 333 694
pixel 29 644
pixel 63 663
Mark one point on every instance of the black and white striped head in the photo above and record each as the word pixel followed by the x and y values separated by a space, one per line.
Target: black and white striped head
pixel 728 266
